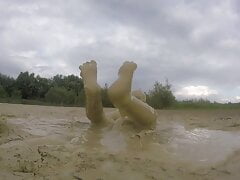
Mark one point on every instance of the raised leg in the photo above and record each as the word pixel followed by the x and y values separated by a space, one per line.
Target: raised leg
pixel 128 105
pixel 94 109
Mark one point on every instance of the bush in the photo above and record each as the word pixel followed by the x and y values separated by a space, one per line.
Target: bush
pixel 3 93
pixel 16 94
pixel 60 95
pixel 80 99
pixel 106 102
pixel 161 96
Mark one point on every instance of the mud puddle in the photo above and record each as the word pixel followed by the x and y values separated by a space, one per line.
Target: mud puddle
pixel 203 146
pixel 199 146
pixel 60 144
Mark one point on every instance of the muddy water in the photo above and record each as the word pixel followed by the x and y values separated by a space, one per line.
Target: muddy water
pixel 58 143
pixel 203 146
pixel 198 146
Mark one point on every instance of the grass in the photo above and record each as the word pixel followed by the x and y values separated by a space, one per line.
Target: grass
pixel 178 105
pixel 34 102
pixel 197 105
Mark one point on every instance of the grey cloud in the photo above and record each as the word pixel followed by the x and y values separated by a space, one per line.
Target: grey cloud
pixel 188 42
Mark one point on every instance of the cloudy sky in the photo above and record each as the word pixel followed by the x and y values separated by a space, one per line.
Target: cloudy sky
pixel 195 44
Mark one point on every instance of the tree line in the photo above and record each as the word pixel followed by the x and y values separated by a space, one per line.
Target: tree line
pixel 67 91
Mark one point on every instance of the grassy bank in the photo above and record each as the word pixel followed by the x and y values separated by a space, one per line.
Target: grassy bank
pixel 177 105
pixel 197 105
pixel 34 102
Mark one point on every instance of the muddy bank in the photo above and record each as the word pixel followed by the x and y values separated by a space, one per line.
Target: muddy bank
pixel 40 142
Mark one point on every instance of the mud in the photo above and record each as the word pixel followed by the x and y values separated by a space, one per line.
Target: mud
pixel 39 142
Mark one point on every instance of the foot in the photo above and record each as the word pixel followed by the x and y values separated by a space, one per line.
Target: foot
pixel 121 88
pixel 89 72
pixel 127 68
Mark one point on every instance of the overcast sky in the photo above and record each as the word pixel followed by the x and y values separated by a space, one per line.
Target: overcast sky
pixel 195 44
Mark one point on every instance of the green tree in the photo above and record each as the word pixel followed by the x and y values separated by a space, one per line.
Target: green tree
pixel 105 99
pixel 80 99
pixel 58 80
pixel 16 94
pixel 7 83
pixel 161 96
pixel 42 86
pixel 27 84
pixel 70 82
pixel 74 83
pixel 3 93
pixel 60 95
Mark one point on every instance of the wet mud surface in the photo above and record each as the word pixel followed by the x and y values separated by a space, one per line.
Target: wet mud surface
pixel 38 142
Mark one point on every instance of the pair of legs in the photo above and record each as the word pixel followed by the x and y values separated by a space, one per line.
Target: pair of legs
pixel 130 106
